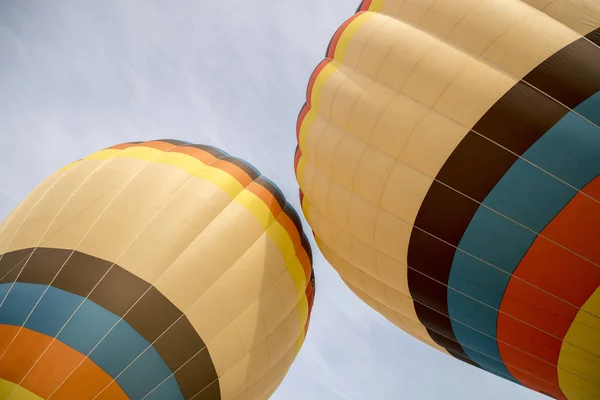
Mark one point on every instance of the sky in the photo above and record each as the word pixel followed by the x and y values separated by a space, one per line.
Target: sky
pixel 80 75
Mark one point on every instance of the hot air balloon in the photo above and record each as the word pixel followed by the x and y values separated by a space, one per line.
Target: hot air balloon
pixel 448 160
pixel 152 270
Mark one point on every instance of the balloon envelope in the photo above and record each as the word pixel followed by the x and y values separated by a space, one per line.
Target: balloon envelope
pixel 448 160
pixel 155 270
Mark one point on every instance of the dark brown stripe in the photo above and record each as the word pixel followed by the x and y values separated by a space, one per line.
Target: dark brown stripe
pixel 293 215
pixel 520 118
pixel 515 122
pixel 308 248
pixel 117 292
pixel 594 37
pixel 428 258
pixel 572 74
pixel 179 342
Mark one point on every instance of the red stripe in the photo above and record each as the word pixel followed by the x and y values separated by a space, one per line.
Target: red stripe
pixel 297 159
pixel 561 275
pixel 365 5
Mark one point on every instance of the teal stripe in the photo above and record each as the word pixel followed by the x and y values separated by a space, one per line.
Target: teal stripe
pixel 87 327
pixel 570 150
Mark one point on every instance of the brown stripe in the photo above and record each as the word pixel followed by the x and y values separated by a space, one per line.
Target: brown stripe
pixel 516 121
pixel 117 292
pixel 572 74
pixel 428 258
pixel 179 342
pixel 520 118
pixel 293 215
pixel 594 37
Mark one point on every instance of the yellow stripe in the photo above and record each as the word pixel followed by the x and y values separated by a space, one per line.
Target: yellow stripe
pixel 303 314
pixel 580 352
pixel 300 169
pixel 254 204
pixel 320 83
pixel 376 5
pixel 305 126
pixel 305 207
pixel 342 45
pixel 20 393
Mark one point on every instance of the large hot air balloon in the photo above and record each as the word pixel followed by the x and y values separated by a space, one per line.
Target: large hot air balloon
pixel 155 270
pixel 448 161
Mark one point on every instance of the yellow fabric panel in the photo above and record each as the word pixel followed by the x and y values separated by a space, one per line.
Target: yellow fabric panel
pixel 578 366
pixel 170 219
pixel 15 391
pixel 583 16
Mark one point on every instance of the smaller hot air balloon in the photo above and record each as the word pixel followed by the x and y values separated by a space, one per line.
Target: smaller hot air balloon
pixel 152 270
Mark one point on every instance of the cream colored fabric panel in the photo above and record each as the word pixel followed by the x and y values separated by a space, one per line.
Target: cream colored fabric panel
pixel 84 192
pixel 529 43
pixel 583 16
pixel 220 245
pixel 508 34
pixel 247 369
pixel 266 386
pixel 177 224
pixel 11 224
pixel 396 296
pixel 411 327
pixel 107 228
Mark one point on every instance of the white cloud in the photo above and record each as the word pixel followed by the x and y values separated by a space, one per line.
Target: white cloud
pixel 79 75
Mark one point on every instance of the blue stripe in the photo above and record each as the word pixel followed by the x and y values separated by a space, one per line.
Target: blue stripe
pixel 531 198
pixel 87 327
pixel 590 109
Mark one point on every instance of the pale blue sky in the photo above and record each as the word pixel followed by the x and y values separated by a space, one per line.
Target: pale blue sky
pixel 80 75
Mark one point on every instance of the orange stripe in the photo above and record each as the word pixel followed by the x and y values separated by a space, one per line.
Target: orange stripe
pixel 338 34
pixel 313 78
pixel 52 368
pixel 239 174
pixel 198 154
pixel 290 227
pixel 576 227
pixel 121 146
pixel 266 196
pixel 556 271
